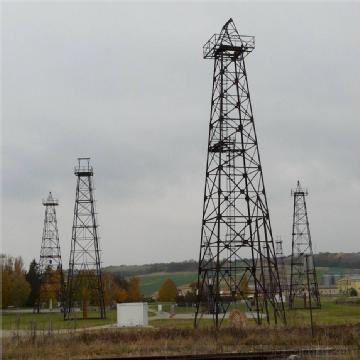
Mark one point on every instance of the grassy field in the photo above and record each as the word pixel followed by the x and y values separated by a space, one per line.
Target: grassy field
pixel 149 284
pixel 54 321
pixel 329 314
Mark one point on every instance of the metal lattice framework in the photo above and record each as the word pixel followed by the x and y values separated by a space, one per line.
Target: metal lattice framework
pixel 50 265
pixel 303 281
pixel 84 284
pixel 237 248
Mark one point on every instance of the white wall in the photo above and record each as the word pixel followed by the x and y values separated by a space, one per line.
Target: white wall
pixel 132 314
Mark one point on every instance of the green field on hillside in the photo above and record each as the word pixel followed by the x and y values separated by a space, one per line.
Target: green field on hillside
pixel 151 283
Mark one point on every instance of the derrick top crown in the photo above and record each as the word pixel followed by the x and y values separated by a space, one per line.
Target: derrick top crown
pixel 83 167
pixel 228 43
pixel 50 201
pixel 299 190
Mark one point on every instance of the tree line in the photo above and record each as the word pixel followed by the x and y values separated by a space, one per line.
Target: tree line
pixel 168 292
pixel 336 260
pixel 21 287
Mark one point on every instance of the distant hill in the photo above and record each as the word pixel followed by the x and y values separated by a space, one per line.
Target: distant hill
pixel 136 270
pixel 348 260
pixel 153 275
pixel 335 260
pixel 340 260
pixel 183 273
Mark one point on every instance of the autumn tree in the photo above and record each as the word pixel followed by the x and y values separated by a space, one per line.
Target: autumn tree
pixel 134 293
pixel 193 287
pixel 244 284
pixel 120 281
pixel 15 288
pixel 33 278
pixel 168 291
pixel 85 279
pixel 118 289
pixel 120 295
pixel 51 285
pixel 115 288
pixel 6 283
pixel 108 287
pixel 20 290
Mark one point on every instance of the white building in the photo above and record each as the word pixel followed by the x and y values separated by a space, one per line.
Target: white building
pixel 132 314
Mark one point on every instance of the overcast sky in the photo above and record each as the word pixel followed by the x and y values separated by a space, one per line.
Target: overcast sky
pixel 126 85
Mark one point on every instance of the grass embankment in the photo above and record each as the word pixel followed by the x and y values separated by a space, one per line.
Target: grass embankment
pixel 125 342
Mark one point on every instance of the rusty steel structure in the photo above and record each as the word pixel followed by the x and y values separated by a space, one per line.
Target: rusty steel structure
pixel 50 264
pixel 237 256
pixel 303 292
pixel 84 281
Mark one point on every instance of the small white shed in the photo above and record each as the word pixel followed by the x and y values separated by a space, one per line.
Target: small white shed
pixel 132 314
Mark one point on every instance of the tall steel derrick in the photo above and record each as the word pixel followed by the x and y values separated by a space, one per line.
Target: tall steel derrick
pixel 304 292
pixel 237 248
pixel 84 284
pixel 50 265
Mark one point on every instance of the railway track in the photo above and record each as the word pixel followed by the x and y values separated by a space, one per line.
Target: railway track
pixel 258 355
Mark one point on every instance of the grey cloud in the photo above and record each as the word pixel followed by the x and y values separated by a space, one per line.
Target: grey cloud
pixel 125 84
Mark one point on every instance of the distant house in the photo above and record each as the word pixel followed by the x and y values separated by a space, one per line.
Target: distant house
pixel 183 289
pixel 328 290
pixel 349 285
